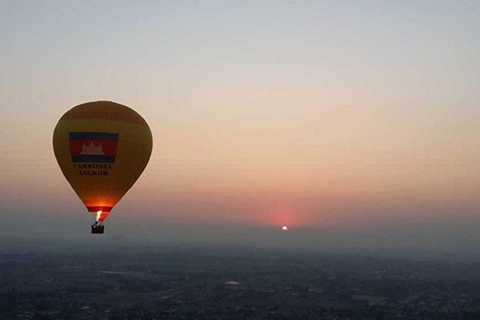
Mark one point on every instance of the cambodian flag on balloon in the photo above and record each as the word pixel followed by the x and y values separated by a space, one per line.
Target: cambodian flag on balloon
pixel 93 146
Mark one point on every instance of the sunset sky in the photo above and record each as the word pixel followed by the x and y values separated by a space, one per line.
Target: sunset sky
pixel 319 115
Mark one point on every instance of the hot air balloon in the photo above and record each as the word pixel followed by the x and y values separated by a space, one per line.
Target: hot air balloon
pixel 102 148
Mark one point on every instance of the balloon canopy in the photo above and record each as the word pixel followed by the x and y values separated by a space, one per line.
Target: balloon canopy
pixel 102 148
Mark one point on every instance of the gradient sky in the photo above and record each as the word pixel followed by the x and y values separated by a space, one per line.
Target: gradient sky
pixel 325 115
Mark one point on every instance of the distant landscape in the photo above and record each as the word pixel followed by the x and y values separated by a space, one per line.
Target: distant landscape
pixel 66 280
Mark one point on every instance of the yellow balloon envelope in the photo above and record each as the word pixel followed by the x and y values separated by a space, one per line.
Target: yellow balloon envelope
pixel 102 148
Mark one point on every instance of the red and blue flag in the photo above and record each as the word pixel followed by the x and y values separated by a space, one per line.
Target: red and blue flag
pixel 93 146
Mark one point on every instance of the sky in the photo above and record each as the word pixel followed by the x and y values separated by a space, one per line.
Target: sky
pixel 331 117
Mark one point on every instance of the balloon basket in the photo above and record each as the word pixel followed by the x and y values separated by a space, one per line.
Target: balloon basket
pixel 97 228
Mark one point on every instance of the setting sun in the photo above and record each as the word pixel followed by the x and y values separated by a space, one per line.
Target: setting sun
pixel 284 228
